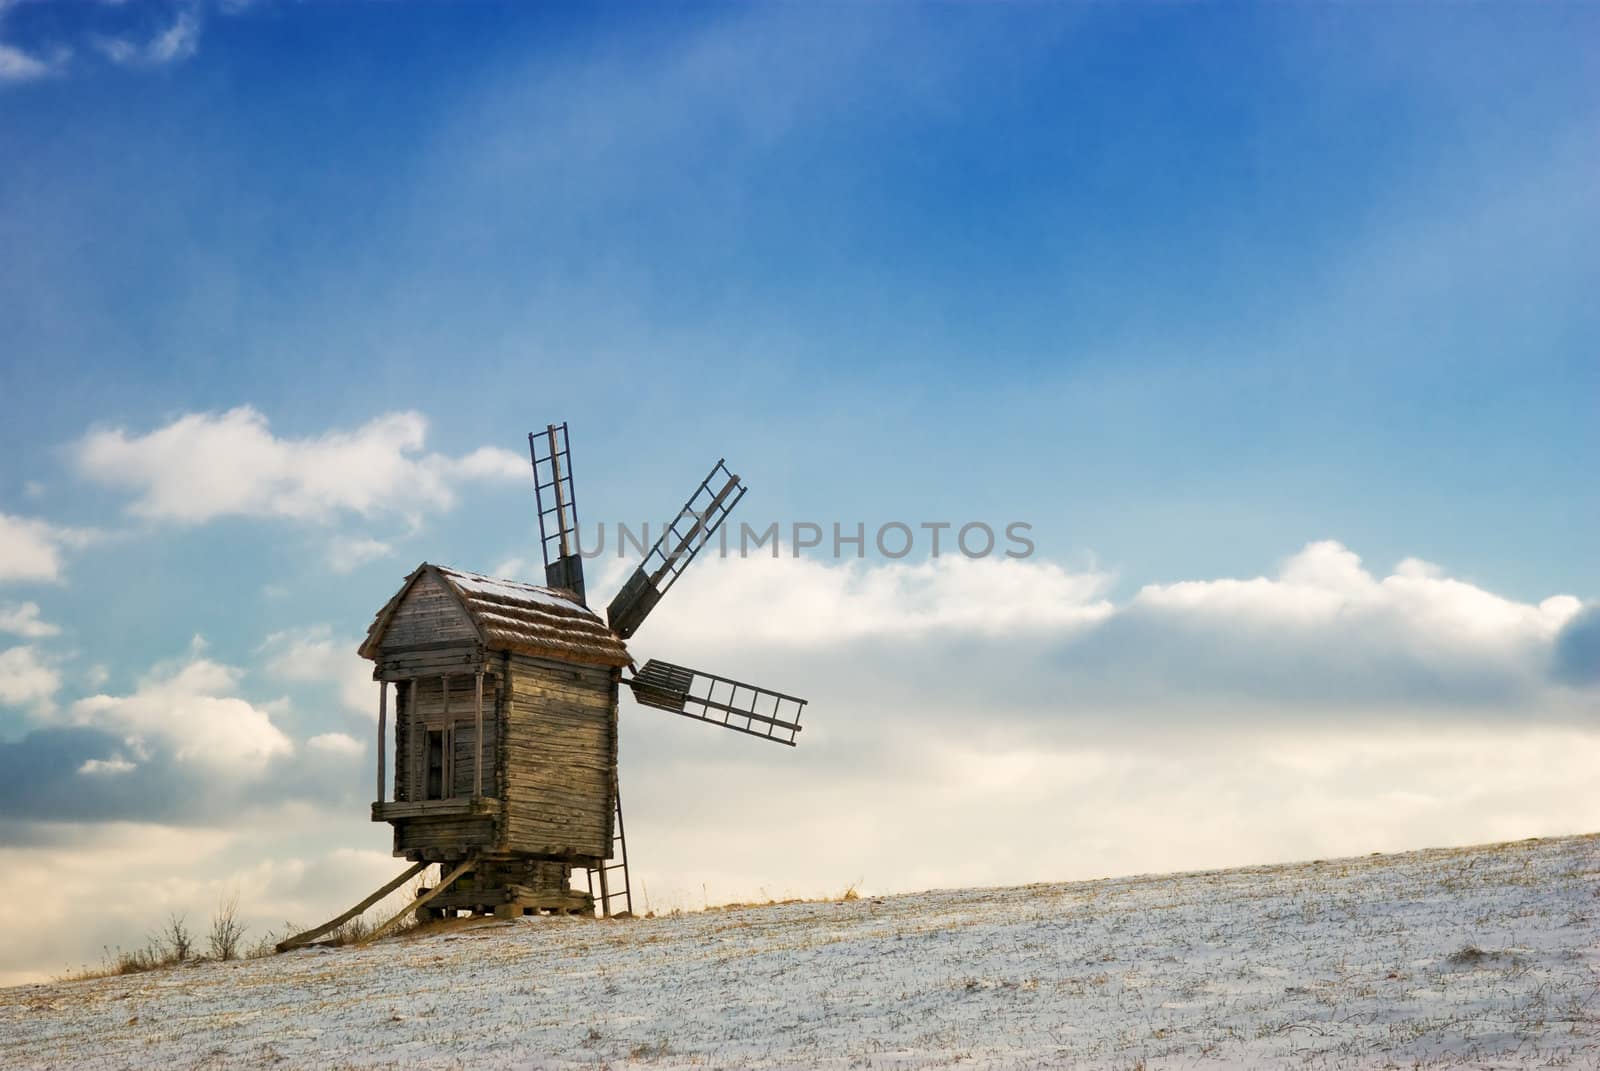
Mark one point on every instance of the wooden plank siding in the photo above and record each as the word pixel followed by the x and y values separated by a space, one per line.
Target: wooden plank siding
pixel 430 614
pixel 442 838
pixel 549 754
pixel 560 758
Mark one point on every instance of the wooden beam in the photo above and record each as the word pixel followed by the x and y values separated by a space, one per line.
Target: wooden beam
pixel 444 883
pixel 416 742
pixel 383 724
pixel 307 936
pixel 477 754
pixel 447 778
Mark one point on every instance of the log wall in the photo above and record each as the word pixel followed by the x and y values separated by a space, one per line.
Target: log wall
pixel 560 752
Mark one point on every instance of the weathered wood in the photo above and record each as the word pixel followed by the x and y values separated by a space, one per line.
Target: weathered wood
pixel 477 741
pixel 452 835
pixel 306 936
pixel 444 883
pixel 559 757
pixel 429 613
pixel 418 741
pixel 383 743
pixel 455 807
pixel 398 665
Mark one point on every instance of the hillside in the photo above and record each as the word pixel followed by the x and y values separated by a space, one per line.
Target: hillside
pixel 1482 957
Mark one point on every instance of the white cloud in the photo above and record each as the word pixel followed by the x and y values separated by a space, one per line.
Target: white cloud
pixel 101 767
pixel 22 619
pixel 1325 630
pixel 177 42
pixel 187 707
pixel 803 602
pixel 314 655
pixel 207 465
pixel 30 549
pixel 25 680
pixel 1050 645
pixel 19 66
pixel 1325 585
pixel 347 555
pixel 335 744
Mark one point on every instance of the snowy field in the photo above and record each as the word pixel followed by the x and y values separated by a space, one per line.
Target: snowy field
pixel 1481 957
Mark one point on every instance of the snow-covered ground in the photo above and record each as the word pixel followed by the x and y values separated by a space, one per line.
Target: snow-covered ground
pixel 1479 957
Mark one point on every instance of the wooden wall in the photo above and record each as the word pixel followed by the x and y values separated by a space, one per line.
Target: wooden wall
pixel 443 838
pixel 428 616
pixel 560 758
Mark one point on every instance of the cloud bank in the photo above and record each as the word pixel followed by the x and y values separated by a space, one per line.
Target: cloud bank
pixel 203 466
pixel 1031 640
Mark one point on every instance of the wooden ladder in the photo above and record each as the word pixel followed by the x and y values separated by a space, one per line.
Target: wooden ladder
pixel 610 892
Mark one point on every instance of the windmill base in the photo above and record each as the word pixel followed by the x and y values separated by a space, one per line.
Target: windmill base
pixel 509 888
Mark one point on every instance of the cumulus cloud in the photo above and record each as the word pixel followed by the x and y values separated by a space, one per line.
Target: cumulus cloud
pixel 188 709
pixel 802 602
pixel 315 655
pixel 22 619
pixel 1030 641
pixel 1325 632
pixel 25 679
pixel 335 744
pixel 30 548
pixel 207 465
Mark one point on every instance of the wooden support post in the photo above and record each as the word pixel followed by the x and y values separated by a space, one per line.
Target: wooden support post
pixel 447 783
pixel 383 724
pixel 605 892
pixel 416 743
pixel 444 883
pixel 477 756
pixel 306 936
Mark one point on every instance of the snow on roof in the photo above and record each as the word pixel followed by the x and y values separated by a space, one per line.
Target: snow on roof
pixel 510 590
pixel 514 616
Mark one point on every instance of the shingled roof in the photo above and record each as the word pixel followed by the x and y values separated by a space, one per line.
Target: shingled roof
pixel 512 616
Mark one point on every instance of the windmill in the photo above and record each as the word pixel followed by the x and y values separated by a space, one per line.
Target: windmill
pixel 708 697
pixel 505 713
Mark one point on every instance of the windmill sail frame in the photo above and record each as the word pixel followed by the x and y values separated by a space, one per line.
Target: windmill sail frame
pixel 737 705
pixel 552 474
pixel 690 530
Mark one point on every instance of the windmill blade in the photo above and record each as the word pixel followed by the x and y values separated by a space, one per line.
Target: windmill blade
pixel 558 521
pixel 690 530
pixel 722 701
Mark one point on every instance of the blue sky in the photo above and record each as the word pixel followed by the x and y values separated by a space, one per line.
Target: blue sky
pixel 1189 289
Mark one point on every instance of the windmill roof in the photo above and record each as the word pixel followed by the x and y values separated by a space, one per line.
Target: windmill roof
pixel 512 616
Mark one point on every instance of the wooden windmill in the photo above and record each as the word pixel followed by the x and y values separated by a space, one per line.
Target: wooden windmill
pixel 505 713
